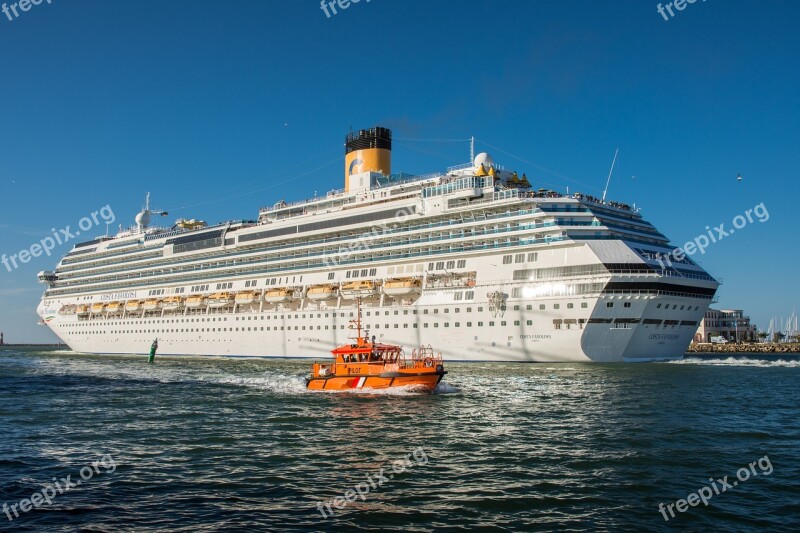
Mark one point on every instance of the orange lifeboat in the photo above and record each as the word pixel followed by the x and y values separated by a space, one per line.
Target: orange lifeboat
pixel 366 364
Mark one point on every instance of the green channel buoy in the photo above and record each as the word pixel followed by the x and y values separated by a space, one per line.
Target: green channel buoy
pixel 153 348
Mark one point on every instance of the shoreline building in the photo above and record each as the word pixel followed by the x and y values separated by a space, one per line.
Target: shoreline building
pixel 731 324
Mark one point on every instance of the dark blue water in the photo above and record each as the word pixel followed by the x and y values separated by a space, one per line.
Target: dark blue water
pixel 201 444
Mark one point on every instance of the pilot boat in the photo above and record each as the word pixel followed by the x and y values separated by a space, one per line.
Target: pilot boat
pixel 366 364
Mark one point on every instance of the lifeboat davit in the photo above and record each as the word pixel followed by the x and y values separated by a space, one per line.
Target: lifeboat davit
pixel 402 286
pixel 152 304
pixel 82 310
pixel 275 296
pixel 195 300
pixel 173 303
pixel 365 363
pixel 220 299
pixel 322 292
pixel 247 297
pixel 358 289
pixel 67 310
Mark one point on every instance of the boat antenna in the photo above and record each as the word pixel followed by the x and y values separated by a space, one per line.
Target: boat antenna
pixel 357 320
pixel 608 182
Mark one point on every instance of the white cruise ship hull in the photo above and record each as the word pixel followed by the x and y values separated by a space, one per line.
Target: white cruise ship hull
pixel 500 273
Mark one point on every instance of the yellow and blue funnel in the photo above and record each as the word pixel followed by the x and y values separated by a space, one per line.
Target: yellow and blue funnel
pixel 367 151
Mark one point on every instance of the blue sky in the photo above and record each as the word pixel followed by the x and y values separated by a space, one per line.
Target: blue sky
pixel 218 108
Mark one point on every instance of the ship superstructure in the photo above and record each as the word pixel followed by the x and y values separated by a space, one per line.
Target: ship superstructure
pixel 473 260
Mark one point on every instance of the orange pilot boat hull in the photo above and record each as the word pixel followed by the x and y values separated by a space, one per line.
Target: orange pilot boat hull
pixel 366 364
pixel 377 381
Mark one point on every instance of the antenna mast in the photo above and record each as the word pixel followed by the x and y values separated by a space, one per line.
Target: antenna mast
pixel 472 149
pixel 608 182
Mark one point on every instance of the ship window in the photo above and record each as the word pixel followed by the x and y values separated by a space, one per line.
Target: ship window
pixel 609 304
pixel 516 308
pixel 330 275
pixel 469 324
pixel 628 304
pixel 507 259
pixel 386 313
pixel 584 305
pixel 516 322
pixel 405 311
pixel 439 265
pixel 480 309
pixel 491 322
pixel 556 306
pixel 396 312
pixel 674 307
pixel 451 265
pixel 503 323
pixel 533 256
pixel 542 307
pixel 462 263
pixel 364 271
pixel 570 306
pixel 435 311
pixel 415 325
pixel 373 271
pixel 405 325
pixel 425 325
pixel 529 322
pixel 430 266
pixel 519 258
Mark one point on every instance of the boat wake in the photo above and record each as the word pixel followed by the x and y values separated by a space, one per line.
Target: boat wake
pixel 276 382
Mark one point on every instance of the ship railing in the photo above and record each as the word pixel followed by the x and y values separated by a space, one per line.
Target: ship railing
pixel 425 356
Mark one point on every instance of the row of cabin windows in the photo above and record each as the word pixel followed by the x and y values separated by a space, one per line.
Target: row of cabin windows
pixel 490 323
pixel 531 257
pixel 447 265
pixel 364 272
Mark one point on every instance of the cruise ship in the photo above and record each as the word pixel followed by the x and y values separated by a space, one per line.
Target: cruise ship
pixel 475 261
